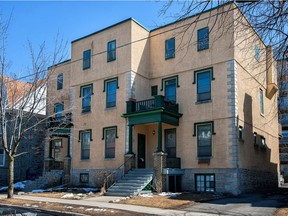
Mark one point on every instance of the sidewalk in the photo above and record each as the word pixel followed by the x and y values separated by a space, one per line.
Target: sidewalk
pixel 103 202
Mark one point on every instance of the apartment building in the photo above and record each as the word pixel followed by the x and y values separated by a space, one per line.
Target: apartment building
pixel 196 105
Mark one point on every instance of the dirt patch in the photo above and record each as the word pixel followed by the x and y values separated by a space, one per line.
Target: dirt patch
pixel 48 194
pixel 66 208
pixel 281 212
pixel 178 201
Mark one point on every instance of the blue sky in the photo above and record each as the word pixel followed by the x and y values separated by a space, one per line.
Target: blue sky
pixel 39 21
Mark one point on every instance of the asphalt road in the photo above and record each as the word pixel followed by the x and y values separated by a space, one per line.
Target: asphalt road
pixel 246 205
pixel 19 211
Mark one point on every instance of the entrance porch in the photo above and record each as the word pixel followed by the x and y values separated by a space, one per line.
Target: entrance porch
pixel 150 122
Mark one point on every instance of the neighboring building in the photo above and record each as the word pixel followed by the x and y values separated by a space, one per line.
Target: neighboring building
pixel 282 68
pixel 199 107
pixel 30 163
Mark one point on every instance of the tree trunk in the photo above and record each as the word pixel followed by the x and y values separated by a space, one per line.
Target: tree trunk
pixel 10 178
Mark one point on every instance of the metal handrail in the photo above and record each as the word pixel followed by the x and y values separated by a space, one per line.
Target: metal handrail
pixel 110 179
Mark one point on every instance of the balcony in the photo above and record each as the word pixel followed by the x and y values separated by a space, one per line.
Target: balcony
pixel 60 126
pixel 157 109
pixel 158 102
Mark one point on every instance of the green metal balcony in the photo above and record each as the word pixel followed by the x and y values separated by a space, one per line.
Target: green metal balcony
pixel 156 109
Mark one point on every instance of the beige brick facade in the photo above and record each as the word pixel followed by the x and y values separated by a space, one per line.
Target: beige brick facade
pixel 236 79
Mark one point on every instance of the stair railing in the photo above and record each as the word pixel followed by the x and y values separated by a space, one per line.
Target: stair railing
pixel 114 176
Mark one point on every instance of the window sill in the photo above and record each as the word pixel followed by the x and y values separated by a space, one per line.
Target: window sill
pixel 205 160
pixel 83 160
pixel 111 60
pixel 110 159
pixel 172 57
pixel 110 108
pixel 203 102
pixel 85 112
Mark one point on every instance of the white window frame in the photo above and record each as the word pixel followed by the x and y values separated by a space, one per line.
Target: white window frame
pixel 3 161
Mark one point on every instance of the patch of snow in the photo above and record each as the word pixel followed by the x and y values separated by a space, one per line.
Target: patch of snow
pixel 146 195
pixel 169 194
pixel 38 191
pixel 17 186
pixel 68 196
pixel 89 209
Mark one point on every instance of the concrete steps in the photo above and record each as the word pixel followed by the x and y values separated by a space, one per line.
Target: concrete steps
pixel 132 183
pixel 48 179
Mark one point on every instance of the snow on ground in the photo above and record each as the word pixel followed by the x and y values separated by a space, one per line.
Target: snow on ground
pixel 169 194
pixel 17 186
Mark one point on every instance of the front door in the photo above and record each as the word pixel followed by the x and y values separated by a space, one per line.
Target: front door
pixel 141 150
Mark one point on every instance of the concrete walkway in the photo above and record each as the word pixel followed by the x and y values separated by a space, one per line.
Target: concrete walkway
pixel 103 202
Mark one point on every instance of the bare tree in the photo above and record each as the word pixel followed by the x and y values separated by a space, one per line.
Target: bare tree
pixel 23 98
pixel 269 18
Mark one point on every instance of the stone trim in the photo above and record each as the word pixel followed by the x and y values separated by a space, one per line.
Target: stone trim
pixel 233 110
pixel 130 85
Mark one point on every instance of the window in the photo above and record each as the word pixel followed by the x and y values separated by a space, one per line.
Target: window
pixel 257 53
pixel 59 107
pixel 170 48
pixel 255 138
pixel 110 134
pixel 86 92
pixel 154 90
pixel 84 178
pixel 85 138
pixel 60 81
pixel 111 94
pixel 240 133
pixel 2 157
pixel 170 90
pixel 203 86
pixel 263 142
pixel 203 39
pixel 86 59
pixel 204 140
pixel 111 51
pixel 261 102
pixel 170 142
pixel 57 143
pixel 205 182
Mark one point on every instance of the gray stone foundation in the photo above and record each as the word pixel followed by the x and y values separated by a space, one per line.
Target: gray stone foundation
pixel 95 176
pixel 233 181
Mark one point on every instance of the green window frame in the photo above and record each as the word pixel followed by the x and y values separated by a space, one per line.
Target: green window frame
pixel 170 141
pixel 111 51
pixel 57 143
pixel 240 133
pixel 154 90
pixel 203 39
pixel 169 85
pixel 205 182
pixel 86 59
pixel 84 178
pixel 85 137
pixel 109 134
pixel 203 80
pixel 58 110
pixel 204 131
pixel 110 87
pixel 60 81
pixel 170 48
pixel 86 93
pixel 261 101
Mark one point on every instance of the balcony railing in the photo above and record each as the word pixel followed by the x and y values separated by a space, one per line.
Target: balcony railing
pixel 62 121
pixel 158 102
